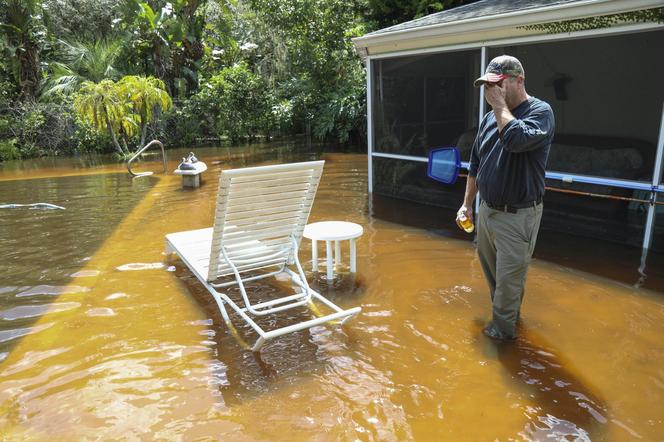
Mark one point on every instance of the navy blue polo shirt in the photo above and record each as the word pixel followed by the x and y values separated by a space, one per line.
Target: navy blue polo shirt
pixel 510 166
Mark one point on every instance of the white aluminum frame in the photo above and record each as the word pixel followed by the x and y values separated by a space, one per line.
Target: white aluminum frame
pixel 370 122
pixel 654 187
pixel 252 234
pixel 283 303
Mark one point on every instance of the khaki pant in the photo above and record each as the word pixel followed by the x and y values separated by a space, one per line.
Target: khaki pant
pixel 505 243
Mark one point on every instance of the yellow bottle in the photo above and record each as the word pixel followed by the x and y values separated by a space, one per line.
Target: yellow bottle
pixel 466 224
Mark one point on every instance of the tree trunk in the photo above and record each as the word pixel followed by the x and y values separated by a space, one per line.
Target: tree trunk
pixel 111 133
pixel 113 138
pixel 144 132
pixel 123 138
pixel 29 70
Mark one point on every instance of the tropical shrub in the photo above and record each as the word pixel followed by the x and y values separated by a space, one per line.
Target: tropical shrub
pixel 319 72
pixel 148 98
pixel 238 103
pixel 38 128
pixel 122 110
pixel 8 150
pixel 101 106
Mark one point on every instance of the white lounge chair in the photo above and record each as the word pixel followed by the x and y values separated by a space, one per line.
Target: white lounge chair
pixel 260 215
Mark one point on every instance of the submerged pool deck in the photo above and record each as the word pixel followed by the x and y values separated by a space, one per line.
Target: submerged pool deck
pixel 101 337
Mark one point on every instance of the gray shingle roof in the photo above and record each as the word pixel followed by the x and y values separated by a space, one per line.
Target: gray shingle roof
pixel 484 8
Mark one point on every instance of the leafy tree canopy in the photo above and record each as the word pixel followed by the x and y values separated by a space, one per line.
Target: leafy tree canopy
pixel 386 13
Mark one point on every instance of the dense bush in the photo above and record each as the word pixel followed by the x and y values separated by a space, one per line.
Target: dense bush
pixel 39 129
pixel 235 103
pixel 8 150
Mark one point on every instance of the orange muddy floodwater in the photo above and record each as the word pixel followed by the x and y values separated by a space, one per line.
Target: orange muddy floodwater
pixel 102 337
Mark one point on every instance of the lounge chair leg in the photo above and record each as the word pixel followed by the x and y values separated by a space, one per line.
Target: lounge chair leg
pixel 346 319
pixel 222 309
pixel 314 255
pixel 259 343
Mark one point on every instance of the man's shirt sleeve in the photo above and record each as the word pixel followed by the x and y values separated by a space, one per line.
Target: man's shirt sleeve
pixel 530 133
pixel 474 157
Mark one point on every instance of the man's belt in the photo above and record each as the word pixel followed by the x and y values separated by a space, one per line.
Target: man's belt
pixel 512 208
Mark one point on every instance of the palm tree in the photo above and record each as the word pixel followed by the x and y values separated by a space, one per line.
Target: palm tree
pixel 104 107
pixel 148 96
pixel 83 61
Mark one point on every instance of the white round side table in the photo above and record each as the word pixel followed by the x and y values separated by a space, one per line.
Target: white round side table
pixel 330 231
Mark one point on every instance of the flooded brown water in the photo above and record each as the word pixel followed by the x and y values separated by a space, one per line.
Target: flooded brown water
pixel 102 337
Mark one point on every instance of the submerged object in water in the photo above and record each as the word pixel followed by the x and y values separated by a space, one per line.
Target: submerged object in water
pixel 46 206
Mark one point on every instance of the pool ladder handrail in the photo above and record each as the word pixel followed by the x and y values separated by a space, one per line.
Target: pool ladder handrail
pixel 143 149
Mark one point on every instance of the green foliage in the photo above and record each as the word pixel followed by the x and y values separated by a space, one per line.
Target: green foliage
pixel 33 124
pixel 319 72
pixel 645 16
pixel 80 20
pixel 5 128
pixel 81 61
pixel 22 36
pixel 121 109
pixel 148 98
pixel 165 38
pixel 8 150
pixel 237 69
pixel 239 101
pixel 45 129
pixel 102 106
pixel 9 90
pixel 386 13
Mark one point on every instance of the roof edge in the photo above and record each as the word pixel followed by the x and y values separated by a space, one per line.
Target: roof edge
pixel 569 11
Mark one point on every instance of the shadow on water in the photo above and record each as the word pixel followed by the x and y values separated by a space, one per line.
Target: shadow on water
pixel 562 405
pixel 614 261
pixel 242 374
pixel 44 250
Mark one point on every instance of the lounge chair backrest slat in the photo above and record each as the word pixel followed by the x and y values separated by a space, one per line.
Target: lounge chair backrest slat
pixel 269 210
pixel 263 199
pixel 258 210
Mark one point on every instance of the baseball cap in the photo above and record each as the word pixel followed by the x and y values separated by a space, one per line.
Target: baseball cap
pixel 500 68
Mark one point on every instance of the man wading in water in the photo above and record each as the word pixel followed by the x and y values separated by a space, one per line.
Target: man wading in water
pixel 507 165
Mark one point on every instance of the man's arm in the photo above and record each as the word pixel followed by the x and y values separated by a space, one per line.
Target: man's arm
pixel 503 117
pixel 529 133
pixel 520 135
pixel 495 95
pixel 471 192
pixel 471 183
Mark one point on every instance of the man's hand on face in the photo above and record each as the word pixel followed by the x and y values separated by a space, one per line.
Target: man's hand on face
pixel 495 95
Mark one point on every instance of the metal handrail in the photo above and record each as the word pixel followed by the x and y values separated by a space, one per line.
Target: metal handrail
pixel 143 149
